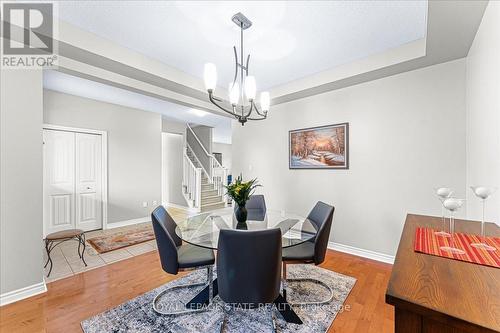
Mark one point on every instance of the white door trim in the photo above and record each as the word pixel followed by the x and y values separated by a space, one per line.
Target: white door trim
pixel 104 152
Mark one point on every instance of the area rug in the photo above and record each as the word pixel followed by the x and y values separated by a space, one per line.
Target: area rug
pixel 107 243
pixel 137 315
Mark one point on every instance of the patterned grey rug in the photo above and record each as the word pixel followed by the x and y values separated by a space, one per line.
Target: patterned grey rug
pixel 137 315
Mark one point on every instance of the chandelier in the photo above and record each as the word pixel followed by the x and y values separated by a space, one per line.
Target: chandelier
pixel 243 89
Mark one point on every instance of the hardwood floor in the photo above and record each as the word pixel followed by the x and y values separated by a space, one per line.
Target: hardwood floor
pixel 73 299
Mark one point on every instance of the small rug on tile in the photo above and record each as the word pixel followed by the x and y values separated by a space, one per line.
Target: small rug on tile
pixel 137 315
pixel 111 242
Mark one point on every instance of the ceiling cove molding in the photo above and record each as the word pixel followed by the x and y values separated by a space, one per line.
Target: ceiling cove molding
pixel 97 74
pixel 348 74
pixel 451 28
pixel 91 57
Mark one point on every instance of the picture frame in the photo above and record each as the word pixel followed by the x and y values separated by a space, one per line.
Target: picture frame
pixel 321 147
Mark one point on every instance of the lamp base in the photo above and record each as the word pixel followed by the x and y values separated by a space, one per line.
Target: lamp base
pixel 453 250
pixel 483 246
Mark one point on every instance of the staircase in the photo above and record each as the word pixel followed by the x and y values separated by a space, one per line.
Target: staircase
pixel 210 198
pixel 203 182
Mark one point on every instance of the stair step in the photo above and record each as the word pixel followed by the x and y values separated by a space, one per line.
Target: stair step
pixel 207 187
pixel 209 200
pixel 208 193
pixel 212 206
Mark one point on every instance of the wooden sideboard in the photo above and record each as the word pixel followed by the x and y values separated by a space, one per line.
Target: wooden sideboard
pixel 431 294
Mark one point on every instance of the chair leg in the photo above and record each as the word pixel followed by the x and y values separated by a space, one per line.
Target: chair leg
pixel 186 311
pixel 284 280
pixel 273 319
pixel 210 282
pixel 223 324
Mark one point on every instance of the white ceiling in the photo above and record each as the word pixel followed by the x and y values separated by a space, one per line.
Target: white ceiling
pixel 289 40
pixel 73 85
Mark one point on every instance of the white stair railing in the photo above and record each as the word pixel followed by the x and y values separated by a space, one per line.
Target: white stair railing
pixel 216 173
pixel 191 151
pixel 219 178
pixel 191 182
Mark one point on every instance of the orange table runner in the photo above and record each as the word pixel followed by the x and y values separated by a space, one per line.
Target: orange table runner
pixel 426 241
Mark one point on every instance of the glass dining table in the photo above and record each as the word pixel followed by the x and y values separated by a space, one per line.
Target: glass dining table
pixel 203 230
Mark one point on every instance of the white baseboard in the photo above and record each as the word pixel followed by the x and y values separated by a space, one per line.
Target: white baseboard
pixel 361 252
pixel 189 209
pixel 19 294
pixel 382 257
pixel 128 222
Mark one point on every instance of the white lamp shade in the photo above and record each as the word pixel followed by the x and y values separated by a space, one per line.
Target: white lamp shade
pixel 453 204
pixel 250 87
pixel 264 101
pixel 210 76
pixel 234 93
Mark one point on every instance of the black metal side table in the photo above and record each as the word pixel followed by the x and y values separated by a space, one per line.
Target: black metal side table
pixel 56 238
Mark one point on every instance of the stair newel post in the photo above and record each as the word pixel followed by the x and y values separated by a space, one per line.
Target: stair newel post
pixel 184 170
pixel 198 189
pixel 223 182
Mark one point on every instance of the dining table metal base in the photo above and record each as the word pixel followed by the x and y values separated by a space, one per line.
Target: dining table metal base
pixel 285 309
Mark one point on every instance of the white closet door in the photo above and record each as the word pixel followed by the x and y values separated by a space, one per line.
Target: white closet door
pixel 59 180
pixel 88 181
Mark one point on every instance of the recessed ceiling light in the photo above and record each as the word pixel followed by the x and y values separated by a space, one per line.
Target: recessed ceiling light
pixel 197 112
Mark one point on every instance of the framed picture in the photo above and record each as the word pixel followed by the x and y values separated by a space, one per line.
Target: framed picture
pixel 323 147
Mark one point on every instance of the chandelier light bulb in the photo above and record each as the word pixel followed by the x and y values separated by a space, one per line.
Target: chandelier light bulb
pixel 210 76
pixel 250 87
pixel 265 101
pixel 234 93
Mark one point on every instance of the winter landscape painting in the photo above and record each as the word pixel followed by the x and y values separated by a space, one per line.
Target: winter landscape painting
pixel 325 147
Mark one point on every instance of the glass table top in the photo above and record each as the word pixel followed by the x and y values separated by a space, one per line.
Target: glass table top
pixel 203 229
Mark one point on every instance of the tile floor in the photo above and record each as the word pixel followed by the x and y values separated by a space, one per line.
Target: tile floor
pixel 66 261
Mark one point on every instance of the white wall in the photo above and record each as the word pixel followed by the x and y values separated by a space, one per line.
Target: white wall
pixel 407 135
pixel 172 152
pixel 172 126
pixel 483 113
pixel 134 149
pixel 21 181
pixel 204 134
pixel 226 151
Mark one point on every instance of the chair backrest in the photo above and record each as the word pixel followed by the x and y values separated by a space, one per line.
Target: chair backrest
pixel 249 266
pixel 256 207
pixel 166 239
pixel 321 217
pixel 256 201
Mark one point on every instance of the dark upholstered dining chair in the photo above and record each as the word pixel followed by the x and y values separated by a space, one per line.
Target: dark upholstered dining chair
pixel 175 256
pixel 249 268
pixel 313 251
pixel 256 207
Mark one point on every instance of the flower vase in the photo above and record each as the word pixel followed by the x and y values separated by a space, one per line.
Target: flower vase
pixel 241 214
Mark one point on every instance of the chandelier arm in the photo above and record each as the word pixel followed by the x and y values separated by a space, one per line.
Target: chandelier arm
pixel 236 65
pixel 250 110
pixel 262 118
pixel 248 61
pixel 257 110
pixel 210 97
